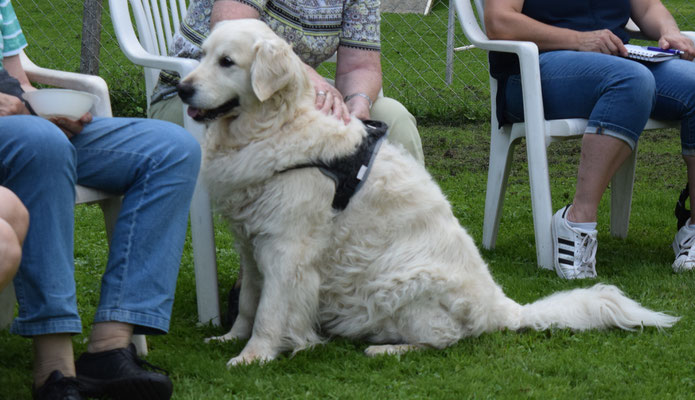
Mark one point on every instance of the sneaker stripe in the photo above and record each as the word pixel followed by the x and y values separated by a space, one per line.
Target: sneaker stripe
pixel 564 261
pixel 565 242
pixel 565 252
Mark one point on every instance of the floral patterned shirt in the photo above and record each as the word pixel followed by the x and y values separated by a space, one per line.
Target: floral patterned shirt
pixel 315 28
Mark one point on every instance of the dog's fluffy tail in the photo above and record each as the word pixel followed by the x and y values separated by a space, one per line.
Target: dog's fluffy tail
pixel 598 307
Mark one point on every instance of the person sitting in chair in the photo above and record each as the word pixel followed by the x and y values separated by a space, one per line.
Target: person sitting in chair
pixel 585 73
pixel 154 164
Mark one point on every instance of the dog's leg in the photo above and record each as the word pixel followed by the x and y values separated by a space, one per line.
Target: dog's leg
pixel 391 349
pixel 248 298
pixel 288 307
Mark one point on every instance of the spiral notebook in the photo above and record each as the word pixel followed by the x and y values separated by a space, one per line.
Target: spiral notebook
pixel 647 54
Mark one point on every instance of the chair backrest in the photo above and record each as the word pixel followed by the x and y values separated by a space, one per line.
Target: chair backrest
pixel 157 21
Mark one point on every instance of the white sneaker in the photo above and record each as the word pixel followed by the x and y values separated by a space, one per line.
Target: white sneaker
pixel 684 249
pixel 574 249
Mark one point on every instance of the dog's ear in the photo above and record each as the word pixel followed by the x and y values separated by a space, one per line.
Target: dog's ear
pixel 273 67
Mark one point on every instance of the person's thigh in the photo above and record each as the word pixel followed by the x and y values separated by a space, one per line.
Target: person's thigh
pixel 605 89
pixel 170 109
pixel 675 97
pixel 113 153
pixel 402 125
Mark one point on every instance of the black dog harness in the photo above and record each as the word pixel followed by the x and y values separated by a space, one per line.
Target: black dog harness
pixel 350 172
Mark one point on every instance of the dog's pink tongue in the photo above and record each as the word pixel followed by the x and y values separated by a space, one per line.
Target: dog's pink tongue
pixel 193 112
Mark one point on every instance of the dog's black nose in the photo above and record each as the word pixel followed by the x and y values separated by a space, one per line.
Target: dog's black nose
pixel 185 91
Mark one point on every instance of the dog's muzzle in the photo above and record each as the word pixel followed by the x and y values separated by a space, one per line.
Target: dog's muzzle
pixel 186 92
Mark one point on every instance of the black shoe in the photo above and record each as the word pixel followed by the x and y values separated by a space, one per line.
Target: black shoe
pixel 119 374
pixel 58 387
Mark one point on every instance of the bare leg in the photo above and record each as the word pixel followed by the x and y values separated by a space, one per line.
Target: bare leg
pixel 601 157
pixel 14 222
pixel 52 352
pixel 109 336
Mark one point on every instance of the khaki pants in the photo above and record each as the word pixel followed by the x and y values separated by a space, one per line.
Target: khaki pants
pixel 402 124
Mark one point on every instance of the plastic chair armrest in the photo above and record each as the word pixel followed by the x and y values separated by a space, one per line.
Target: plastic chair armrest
pixel 70 80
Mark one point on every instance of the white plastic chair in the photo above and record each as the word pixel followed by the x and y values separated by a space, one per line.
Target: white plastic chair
pixel 110 203
pixel 539 133
pixel 156 22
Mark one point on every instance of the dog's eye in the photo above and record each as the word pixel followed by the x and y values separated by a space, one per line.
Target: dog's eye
pixel 226 61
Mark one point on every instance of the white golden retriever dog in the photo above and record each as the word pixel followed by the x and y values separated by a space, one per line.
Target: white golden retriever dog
pixel 394 267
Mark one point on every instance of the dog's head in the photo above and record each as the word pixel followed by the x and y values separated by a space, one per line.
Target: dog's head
pixel 244 63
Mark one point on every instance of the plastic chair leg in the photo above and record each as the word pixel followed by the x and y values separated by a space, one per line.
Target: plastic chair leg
pixel 7 302
pixel 140 343
pixel 621 196
pixel 202 232
pixel 501 152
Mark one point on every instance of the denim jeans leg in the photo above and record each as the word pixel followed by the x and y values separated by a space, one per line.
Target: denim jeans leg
pixel 155 165
pixel 38 164
pixel 615 94
pixel 675 98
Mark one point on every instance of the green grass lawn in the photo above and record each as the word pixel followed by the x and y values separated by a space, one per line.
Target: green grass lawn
pixel 553 364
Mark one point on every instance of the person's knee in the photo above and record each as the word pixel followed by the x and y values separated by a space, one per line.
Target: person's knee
pixel 13 211
pixel 641 82
pixel 183 150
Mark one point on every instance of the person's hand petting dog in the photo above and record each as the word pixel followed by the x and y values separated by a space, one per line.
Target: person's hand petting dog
pixel 328 98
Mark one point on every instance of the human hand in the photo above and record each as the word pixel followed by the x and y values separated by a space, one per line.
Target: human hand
pixel 11 105
pixel 328 99
pixel 71 127
pixel 678 41
pixel 601 41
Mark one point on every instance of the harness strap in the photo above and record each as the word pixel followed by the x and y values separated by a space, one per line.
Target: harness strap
pixel 350 172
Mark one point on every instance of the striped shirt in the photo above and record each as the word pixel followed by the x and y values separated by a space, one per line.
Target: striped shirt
pixel 315 28
pixel 13 40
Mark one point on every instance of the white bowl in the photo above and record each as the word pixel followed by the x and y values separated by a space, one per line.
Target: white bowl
pixel 66 103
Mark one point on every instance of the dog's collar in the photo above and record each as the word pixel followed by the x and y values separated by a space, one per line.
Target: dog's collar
pixel 349 172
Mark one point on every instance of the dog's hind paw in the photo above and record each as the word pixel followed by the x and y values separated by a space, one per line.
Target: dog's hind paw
pixel 390 349
pixel 248 359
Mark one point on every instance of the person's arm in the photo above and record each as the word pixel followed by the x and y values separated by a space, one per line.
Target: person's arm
pixel 13 65
pixel 358 76
pixel 10 105
pixel 656 22
pixel 223 10
pixel 505 21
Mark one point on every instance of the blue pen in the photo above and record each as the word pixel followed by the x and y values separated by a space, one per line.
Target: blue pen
pixel 670 51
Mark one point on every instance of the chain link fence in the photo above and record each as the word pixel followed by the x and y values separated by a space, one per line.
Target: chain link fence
pixel 435 84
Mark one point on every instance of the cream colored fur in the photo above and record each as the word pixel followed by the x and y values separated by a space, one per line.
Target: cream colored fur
pixel 394 268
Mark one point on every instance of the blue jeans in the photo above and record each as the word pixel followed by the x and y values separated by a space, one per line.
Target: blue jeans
pixel 154 164
pixel 615 94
